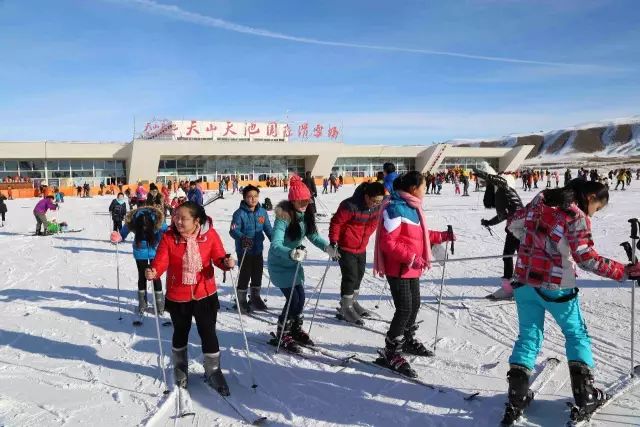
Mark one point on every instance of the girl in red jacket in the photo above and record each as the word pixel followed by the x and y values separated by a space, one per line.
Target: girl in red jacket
pixel 350 229
pixel 403 253
pixel 187 253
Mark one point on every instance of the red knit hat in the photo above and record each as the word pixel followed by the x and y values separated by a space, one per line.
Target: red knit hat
pixel 297 189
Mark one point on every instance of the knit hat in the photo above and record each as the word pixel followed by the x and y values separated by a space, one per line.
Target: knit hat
pixel 297 189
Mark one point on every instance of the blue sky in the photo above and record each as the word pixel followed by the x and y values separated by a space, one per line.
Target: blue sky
pixel 401 72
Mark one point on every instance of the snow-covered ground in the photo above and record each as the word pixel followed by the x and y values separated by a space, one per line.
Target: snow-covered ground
pixel 66 359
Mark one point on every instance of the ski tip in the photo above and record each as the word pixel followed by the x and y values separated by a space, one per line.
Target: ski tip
pixel 553 359
pixel 259 421
pixel 166 392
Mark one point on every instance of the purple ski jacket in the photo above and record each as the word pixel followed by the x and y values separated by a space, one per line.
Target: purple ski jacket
pixel 44 205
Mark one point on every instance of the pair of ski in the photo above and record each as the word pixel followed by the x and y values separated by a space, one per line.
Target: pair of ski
pixel 185 406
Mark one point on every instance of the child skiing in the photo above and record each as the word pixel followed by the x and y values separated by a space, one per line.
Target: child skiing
pixel 118 209
pixel 349 231
pixel 506 201
pixel 402 254
pixel 187 253
pixel 249 225
pixel 554 231
pixel 293 223
pixel 148 225
pixel 3 209
pixel 40 212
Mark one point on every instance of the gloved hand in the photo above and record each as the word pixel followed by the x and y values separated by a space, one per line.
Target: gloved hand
pixel 247 243
pixel 484 222
pixel 150 273
pixel 419 263
pixel 229 262
pixel 332 251
pixel 448 237
pixel 633 271
pixel 298 254
pixel 115 237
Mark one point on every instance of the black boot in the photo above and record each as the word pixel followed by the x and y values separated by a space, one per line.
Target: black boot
pixel 287 343
pixel 180 366
pixel 241 301
pixel 213 373
pixel 298 333
pixel 255 300
pixel 519 394
pixel 412 345
pixel 587 397
pixel 394 360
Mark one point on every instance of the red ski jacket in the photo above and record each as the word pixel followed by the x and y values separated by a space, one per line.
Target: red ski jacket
pixel 353 224
pixel 169 258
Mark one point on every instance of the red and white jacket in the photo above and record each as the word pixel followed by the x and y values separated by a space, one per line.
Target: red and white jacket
pixel 169 258
pixel 553 242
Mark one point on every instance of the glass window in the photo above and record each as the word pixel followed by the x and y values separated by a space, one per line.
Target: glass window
pixel 110 164
pixel 87 165
pixel 81 174
pixel 52 165
pixel 11 165
pixel 98 164
pixel 60 174
pixel 75 164
pixel 37 165
pixel 181 164
pixel 63 165
pixel 25 166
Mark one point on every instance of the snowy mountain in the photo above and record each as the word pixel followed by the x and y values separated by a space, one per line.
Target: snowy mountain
pixel 615 138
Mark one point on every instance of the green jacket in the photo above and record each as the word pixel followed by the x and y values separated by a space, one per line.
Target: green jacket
pixel 280 265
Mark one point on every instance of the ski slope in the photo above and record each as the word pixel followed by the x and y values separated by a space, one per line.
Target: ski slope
pixel 66 359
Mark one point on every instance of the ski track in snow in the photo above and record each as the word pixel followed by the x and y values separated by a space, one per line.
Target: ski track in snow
pixel 66 359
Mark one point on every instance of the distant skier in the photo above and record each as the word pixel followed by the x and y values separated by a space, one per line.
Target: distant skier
pixel 187 253
pixel 294 221
pixel 195 195
pixel 621 177
pixel 555 235
pixel 390 174
pixel 148 225
pixel 350 229
pixel 506 202
pixel 118 210
pixel 249 225
pixel 402 254
pixel 40 212
pixel 3 209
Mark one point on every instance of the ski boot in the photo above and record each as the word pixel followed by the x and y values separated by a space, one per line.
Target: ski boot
pixel 213 373
pixel 180 366
pixel 587 397
pixel 241 301
pixel 287 343
pixel 392 359
pixel 505 291
pixel 255 300
pixel 347 311
pixel 299 335
pixel 142 302
pixel 412 345
pixel 362 312
pixel 159 299
pixel 519 394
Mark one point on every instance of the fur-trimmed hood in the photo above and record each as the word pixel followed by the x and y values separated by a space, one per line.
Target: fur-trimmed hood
pixel 156 215
pixel 282 212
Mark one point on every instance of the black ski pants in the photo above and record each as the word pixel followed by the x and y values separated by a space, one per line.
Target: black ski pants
pixel 205 311
pixel 406 297
pixel 251 271
pixel 620 181
pixel 142 265
pixel 117 225
pixel 511 245
pixel 296 294
pixel 352 269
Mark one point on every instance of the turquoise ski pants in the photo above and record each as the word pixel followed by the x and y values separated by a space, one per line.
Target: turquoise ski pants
pixel 531 310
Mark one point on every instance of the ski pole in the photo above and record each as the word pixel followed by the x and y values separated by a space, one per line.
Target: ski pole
pixel 313 316
pixel 634 240
pixel 268 289
pixel 246 343
pixel 235 288
pixel 382 289
pixel 477 258
pixel 444 266
pixel 315 291
pixel 286 313
pixel 118 278
pixel 161 359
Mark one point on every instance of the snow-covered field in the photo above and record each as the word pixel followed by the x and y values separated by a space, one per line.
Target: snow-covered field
pixel 66 359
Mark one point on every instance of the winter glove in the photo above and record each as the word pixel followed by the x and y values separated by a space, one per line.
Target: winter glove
pixel 229 262
pixel 332 251
pixel 298 254
pixel 115 237
pixel 484 222
pixel 448 237
pixel 150 273
pixel 247 243
pixel 633 271
pixel 419 263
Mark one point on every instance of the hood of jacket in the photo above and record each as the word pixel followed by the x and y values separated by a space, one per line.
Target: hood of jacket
pixel 156 215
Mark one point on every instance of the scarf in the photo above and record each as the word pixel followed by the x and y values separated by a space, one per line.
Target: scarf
pixel 191 260
pixel 378 255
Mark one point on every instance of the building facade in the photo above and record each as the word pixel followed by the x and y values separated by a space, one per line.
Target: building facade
pixel 174 151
